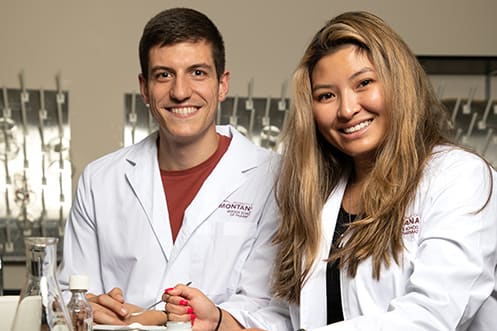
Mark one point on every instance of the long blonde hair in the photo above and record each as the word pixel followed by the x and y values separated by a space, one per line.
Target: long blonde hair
pixel 312 167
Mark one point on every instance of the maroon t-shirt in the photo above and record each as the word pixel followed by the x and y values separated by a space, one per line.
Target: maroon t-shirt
pixel 181 186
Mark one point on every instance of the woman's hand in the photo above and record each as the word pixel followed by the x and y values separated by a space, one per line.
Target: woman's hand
pixel 185 303
pixel 179 305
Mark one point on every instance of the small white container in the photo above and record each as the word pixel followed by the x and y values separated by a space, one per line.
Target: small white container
pixel 179 326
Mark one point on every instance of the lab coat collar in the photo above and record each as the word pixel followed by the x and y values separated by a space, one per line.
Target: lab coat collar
pixel 143 175
pixel 229 174
pixel 313 310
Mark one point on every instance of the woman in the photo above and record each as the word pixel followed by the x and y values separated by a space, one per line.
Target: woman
pixel 386 224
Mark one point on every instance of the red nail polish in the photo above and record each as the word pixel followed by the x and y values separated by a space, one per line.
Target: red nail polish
pixel 189 310
pixel 168 289
pixel 183 303
pixel 192 318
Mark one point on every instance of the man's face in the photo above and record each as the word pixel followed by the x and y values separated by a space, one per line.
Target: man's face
pixel 183 90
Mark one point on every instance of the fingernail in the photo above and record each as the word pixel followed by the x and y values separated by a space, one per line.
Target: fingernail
pixel 189 310
pixel 124 311
pixel 192 318
pixel 168 289
pixel 183 302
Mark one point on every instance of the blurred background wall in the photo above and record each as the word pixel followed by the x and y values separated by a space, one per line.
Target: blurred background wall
pixel 93 45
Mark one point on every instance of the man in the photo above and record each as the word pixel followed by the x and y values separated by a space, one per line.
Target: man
pixel 190 203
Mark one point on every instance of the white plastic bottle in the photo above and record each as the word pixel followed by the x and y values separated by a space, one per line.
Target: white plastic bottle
pixel 79 308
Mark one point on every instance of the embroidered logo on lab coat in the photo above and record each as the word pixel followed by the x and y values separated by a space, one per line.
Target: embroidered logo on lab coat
pixel 411 225
pixel 238 209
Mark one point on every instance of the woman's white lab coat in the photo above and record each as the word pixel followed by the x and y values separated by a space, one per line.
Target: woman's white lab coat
pixel 448 265
pixel 118 229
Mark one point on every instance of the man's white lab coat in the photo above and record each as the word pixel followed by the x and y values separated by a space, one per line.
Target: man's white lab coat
pixel 118 230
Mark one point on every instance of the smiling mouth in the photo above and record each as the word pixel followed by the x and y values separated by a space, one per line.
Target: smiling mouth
pixel 183 110
pixel 357 127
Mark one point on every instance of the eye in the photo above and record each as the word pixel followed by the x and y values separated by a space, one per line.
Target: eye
pixel 324 96
pixel 162 75
pixel 365 82
pixel 198 73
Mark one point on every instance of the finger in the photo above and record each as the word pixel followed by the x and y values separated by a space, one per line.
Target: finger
pixel 177 290
pixel 178 309
pixel 103 310
pixel 167 293
pixel 91 297
pixel 117 294
pixel 180 317
pixel 177 301
pixel 109 302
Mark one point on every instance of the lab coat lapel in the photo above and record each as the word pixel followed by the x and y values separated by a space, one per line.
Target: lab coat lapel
pixel 227 177
pixel 313 310
pixel 143 176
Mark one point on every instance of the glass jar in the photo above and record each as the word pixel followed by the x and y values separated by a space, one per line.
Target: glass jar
pixel 41 306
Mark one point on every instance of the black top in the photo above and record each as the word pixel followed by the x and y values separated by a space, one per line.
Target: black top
pixel 333 295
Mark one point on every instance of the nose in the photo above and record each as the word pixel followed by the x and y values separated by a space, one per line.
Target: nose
pixel 348 105
pixel 180 89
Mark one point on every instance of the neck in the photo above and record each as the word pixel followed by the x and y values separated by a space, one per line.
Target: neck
pixel 178 155
pixel 352 196
pixel 361 172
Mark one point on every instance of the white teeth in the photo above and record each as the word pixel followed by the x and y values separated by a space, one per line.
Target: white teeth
pixel 357 127
pixel 184 110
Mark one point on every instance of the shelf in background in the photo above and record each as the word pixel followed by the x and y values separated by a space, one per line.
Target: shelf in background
pixel 458 65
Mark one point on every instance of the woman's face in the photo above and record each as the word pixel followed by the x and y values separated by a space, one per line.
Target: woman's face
pixel 348 103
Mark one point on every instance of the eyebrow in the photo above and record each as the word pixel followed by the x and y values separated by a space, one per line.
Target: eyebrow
pixel 360 72
pixel 202 65
pixel 353 76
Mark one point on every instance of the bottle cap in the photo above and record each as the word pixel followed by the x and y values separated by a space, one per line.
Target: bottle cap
pixel 78 282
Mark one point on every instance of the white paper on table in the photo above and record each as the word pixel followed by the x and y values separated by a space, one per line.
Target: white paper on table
pixel 131 327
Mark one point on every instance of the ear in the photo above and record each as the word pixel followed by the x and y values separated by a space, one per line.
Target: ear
pixel 143 88
pixel 224 86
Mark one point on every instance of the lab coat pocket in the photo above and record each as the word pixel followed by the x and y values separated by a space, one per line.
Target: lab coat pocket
pixel 220 256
